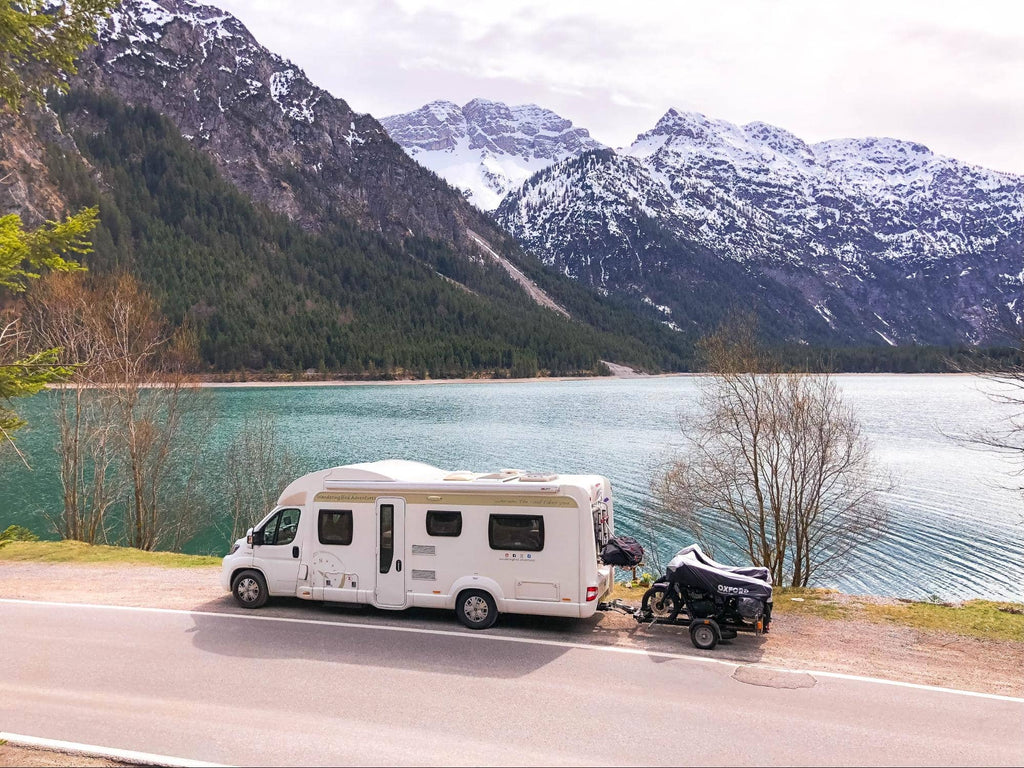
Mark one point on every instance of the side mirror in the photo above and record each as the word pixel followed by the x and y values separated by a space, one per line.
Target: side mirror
pixel 253 538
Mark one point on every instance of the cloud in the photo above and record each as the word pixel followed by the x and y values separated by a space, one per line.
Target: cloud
pixel 944 73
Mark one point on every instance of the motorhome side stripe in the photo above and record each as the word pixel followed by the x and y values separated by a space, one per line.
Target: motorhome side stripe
pixel 464 500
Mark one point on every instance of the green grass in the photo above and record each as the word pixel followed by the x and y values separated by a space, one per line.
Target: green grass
pixel 625 592
pixel 79 552
pixel 974 618
pixel 808 602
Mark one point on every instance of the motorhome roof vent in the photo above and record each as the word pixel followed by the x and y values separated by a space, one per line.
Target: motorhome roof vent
pixel 503 477
pixel 537 477
pixel 456 476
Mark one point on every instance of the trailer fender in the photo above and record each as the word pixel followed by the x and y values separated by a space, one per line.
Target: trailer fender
pixel 477 582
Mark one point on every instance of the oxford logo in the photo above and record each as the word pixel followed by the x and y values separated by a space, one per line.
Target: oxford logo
pixel 732 590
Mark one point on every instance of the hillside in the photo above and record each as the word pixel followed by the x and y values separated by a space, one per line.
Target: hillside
pixel 293 232
pixel 267 293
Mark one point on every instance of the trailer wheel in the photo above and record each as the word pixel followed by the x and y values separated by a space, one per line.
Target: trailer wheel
pixel 658 603
pixel 476 609
pixel 250 589
pixel 704 636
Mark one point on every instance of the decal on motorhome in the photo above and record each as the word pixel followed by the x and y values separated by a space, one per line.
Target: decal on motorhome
pixel 363 498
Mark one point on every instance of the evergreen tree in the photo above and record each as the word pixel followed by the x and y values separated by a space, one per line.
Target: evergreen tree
pixel 39 42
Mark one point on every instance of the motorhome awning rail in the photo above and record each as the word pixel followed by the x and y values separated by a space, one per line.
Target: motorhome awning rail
pixel 446 486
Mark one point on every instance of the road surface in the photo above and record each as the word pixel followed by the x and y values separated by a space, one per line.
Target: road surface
pixel 305 687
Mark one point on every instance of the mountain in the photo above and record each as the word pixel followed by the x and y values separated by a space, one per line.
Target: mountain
pixel 486 148
pixel 849 241
pixel 280 138
pixel 292 232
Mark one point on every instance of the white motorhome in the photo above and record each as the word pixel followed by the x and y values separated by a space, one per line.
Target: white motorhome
pixel 398 534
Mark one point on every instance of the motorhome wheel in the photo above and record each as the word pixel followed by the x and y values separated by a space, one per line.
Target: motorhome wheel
pixel 250 589
pixel 704 636
pixel 476 609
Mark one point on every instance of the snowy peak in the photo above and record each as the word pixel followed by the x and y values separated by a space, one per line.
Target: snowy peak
pixel 284 141
pixel 178 36
pixel 882 238
pixel 144 20
pixel 437 126
pixel 486 147
pixel 779 141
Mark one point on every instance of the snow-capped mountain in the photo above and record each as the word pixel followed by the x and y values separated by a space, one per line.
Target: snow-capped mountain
pixel 486 148
pixel 880 239
pixel 275 134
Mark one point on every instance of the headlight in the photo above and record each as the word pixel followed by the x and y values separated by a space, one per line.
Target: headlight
pixel 234 548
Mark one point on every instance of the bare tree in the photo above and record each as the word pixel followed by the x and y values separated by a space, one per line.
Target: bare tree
pixel 162 418
pixel 776 465
pixel 134 425
pixel 257 468
pixel 1003 384
pixel 61 312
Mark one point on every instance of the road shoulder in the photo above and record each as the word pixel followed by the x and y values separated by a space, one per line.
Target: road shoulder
pixel 805 642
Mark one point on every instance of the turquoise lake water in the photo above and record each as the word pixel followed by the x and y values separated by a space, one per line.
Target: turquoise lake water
pixel 957 531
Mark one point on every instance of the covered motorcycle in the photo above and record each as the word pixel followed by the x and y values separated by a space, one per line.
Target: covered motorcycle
pixel 716 601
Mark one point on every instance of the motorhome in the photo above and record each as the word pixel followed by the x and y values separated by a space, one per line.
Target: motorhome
pixel 399 534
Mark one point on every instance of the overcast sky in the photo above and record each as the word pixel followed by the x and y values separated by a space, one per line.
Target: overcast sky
pixel 948 74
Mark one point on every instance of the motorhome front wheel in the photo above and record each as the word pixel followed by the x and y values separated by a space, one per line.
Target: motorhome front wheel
pixel 476 609
pixel 250 589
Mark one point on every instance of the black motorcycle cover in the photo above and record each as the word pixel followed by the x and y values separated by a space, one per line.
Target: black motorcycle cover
pixel 687 569
pixel 622 550
pixel 756 571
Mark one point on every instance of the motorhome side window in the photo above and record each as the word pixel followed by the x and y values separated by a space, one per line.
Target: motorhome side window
pixel 334 526
pixel 523 533
pixel 444 523
pixel 281 528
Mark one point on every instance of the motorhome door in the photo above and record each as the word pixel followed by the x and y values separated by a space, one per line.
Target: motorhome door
pixel 390 587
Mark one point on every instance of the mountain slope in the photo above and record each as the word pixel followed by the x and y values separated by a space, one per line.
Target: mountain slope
pixel 264 292
pixel 883 240
pixel 486 148
pixel 271 131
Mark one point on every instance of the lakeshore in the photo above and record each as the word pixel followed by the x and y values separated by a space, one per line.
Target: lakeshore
pixel 953 530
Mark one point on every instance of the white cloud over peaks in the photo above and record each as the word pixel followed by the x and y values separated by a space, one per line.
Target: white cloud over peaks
pixel 943 73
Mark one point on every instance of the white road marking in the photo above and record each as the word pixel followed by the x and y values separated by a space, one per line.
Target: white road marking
pixel 125 755
pixel 493 637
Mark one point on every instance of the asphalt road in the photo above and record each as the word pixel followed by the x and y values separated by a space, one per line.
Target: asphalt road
pixel 289 687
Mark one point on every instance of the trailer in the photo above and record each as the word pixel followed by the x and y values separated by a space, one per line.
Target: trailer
pixel 398 534
pixel 713 600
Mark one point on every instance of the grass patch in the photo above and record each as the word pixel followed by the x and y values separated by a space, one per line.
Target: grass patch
pixel 79 552
pixel 975 618
pixel 623 591
pixel 809 602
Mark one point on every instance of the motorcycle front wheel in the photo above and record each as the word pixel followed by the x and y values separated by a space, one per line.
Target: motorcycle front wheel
pixel 658 602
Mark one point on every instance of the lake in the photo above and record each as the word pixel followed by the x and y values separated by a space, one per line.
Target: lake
pixel 957 531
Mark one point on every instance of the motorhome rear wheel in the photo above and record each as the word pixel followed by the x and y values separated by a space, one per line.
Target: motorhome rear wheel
pixel 476 609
